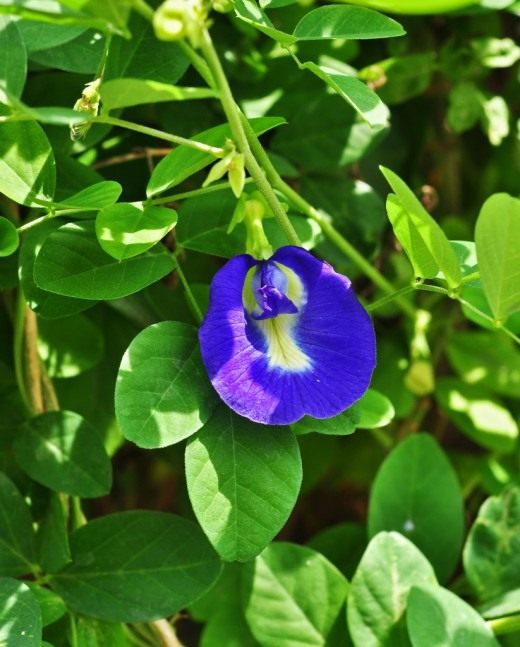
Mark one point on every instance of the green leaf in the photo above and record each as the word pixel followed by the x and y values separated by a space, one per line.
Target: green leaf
pixel 183 161
pixel 39 35
pixel 293 596
pixel 495 118
pixel 125 230
pixel 45 304
pixel 13 57
pixel 121 93
pixel 495 52
pixel 16 534
pixel 478 414
pixel 97 196
pixel 374 410
pixel 51 605
pixel 243 480
pixel 496 234
pixel 136 566
pixel 492 551
pixel 204 220
pixel 343 424
pixel 437 617
pixel 162 393
pixel 416 493
pixel 96 633
pixel 81 54
pixel 9 239
pixel 376 604
pixel 421 237
pixel 69 346
pixel 27 167
pixel 346 22
pixel 62 451
pixel 356 93
pixel 465 107
pixel 72 263
pixel 250 13
pixel 486 358
pixel 52 537
pixel 342 544
pixel 20 616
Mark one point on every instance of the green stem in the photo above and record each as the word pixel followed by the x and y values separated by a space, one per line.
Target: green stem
pixel 388 299
pixel 143 8
pixel 237 130
pixel 505 625
pixel 470 277
pixel 198 63
pixel 489 319
pixel 160 134
pixel 220 186
pixel 431 288
pixel 19 326
pixel 197 312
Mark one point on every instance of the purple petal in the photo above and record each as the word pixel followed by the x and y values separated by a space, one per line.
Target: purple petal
pixel 327 348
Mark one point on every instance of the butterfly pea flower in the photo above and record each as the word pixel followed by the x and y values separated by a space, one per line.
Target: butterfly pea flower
pixel 286 337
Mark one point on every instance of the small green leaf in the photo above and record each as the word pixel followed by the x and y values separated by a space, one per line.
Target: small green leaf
pixel 162 393
pixel 69 346
pixel 13 57
pixel 496 235
pixel 416 493
pixel 250 13
pixel 125 230
pixel 376 603
pixel 293 596
pixel 9 239
pixel 136 566
pixel 52 538
pixel 343 424
pixel 27 167
pixel 478 414
pixel 374 410
pixel 16 534
pixel 423 240
pixel 356 93
pixel 51 605
pixel 121 93
pixel 20 616
pixel 492 551
pixel 72 263
pixel 243 480
pixel 437 617
pixel 346 22
pixel 63 452
pixel 183 161
pixel 98 196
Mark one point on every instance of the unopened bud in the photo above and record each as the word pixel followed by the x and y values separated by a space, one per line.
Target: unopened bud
pixel 89 103
pixel 237 174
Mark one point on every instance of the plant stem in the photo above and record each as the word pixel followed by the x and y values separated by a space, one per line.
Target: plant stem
pixel 160 134
pixel 19 325
pixel 237 130
pixel 192 302
pixel 198 63
pixel 32 362
pixel 470 277
pixel 505 625
pixel 220 186
pixel 166 633
pixel 383 301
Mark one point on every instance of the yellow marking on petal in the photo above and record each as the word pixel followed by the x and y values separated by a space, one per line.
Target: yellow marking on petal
pixel 282 350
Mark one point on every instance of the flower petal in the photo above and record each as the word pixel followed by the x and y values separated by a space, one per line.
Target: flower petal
pixel 317 362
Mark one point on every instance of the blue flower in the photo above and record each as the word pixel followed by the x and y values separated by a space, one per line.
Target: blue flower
pixel 286 337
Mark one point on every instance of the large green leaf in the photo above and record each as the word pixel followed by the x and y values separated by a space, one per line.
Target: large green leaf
pixel 13 57
pixel 125 230
pixel 343 424
pixel 337 21
pixel 243 480
pixel 421 237
pixel 497 233
pixel 52 538
pixel 342 544
pixel 416 493
pixel 376 603
pixel 136 566
pixel 437 617
pixel 39 35
pixel 183 161
pixel 16 534
pixel 62 451
pixel 80 54
pixel 250 13
pixel 27 167
pixel 121 93
pixel 20 616
pixel 163 394
pixel 292 596
pixel 492 550
pixel 97 196
pixel 72 263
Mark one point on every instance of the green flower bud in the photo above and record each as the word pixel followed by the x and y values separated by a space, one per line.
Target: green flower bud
pixel 89 103
pixel 237 174
pixel 223 6
pixel 168 20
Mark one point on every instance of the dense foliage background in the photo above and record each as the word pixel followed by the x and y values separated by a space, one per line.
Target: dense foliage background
pixel 115 530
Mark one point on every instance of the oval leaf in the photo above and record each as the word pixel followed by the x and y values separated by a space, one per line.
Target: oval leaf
pixel 125 230
pixel 355 23
pixel 16 533
pixel 136 566
pixel 376 603
pixel 497 233
pixel 9 239
pixel 121 93
pixel 13 57
pixel 20 616
pixel 416 492
pixel 63 452
pixel 72 263
pixel 162 393
pixel 293 596
pixel 243 480
pixel 374 410
pixel 97 196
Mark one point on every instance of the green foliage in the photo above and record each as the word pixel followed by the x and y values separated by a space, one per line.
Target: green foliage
pixel 20 618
